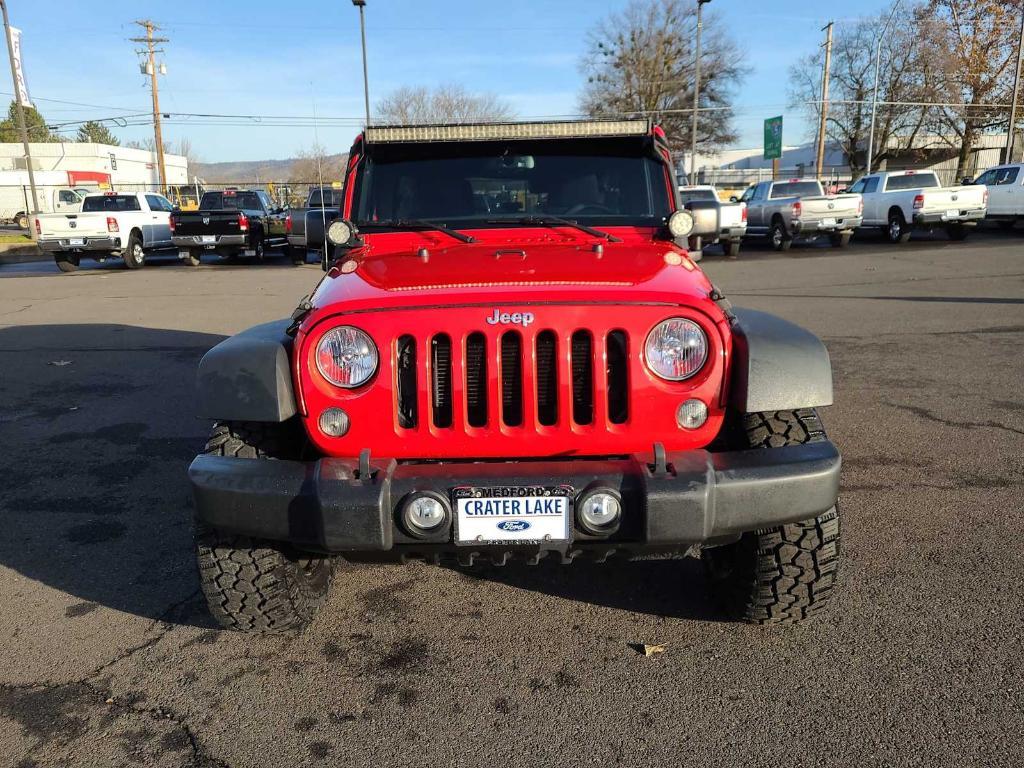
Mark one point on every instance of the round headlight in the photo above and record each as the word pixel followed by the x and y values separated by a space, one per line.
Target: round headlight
pixel 346 356
pixel 680 223
pixel 340 232
pixel 676 349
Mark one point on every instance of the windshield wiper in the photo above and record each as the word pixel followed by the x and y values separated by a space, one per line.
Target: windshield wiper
pixel 558 221
pixel 422 224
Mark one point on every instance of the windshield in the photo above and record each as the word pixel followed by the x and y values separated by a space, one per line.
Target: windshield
pixel 111 203
pixel 689 195
pixel 796 189
pixel 479 184
pixel 213 201
pixel 911 181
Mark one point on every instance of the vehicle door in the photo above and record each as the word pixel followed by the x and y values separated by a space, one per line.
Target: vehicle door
pixel 1002 185
pixel 867 186
pixel 274 217
pixel 66 201
pixel 160 213
pixel 754 215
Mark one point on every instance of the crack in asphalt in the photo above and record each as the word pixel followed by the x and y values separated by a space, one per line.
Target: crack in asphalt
pixel 924 413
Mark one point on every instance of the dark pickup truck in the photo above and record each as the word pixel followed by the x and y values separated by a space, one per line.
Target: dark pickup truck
pixel 307 227
pixel 230 223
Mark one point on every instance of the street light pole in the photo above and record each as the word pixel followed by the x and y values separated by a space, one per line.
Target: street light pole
pixel 361 4
pixel 21 110
pixel 874 98
pixel 696 94
pixel 1016 91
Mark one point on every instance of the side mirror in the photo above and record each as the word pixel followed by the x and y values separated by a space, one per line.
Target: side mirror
pixel 842 190
pixel 733 199
pixel 967 180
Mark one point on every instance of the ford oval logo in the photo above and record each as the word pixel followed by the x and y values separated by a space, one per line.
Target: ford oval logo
pixel 513 525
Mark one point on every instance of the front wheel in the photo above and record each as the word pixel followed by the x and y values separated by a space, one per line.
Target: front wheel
pixel 786 573
pixel 22 221
pixel 957 231
pixel 134 256
pixel 840 239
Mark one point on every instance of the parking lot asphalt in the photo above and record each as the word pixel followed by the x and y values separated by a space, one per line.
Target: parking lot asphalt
pixel 108 657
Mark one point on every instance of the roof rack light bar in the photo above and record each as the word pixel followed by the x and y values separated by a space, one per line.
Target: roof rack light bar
pixel 566 129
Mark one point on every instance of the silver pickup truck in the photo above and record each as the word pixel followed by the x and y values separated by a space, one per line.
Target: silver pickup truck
pixel 784 211
pixel 732 217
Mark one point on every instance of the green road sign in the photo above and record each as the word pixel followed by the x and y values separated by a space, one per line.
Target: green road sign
pixel 773 138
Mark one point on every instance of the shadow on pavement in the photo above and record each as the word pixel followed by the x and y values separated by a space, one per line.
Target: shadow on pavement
pixel 99 429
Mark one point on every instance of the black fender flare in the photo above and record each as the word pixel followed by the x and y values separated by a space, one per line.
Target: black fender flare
pixel 247 377
pixel 777 365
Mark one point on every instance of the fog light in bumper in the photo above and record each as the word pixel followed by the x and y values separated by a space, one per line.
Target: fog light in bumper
pixel 334 422
pixel 424 513
pixel 598 512
pixel 691 415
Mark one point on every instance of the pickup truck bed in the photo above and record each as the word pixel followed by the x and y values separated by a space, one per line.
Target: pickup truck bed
pixel 307 227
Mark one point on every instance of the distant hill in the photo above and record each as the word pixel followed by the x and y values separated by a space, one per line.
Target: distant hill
pixel 252 171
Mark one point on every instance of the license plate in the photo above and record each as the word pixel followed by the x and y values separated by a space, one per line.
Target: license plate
pixel 952 214
pixel 209 239
pixel 76 241
pixel 828 223
pixel 523 515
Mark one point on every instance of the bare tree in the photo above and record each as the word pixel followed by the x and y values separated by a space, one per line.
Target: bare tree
pixel 447 103
pixel 972 48
pixel 641 63
pixel 903 81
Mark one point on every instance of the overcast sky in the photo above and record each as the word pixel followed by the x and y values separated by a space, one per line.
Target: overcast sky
pixel 274 62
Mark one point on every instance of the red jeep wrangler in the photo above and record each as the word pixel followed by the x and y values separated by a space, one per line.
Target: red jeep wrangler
pixel 512 356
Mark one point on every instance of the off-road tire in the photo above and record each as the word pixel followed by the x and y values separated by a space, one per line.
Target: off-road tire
pixel 957 232
pixel 194 257
pixel 250 584
pixel 66 262
pixel 840 239
pixel 732 249
pixel 897 231
pixel 784 574
pixel 133 255
pixel 779 237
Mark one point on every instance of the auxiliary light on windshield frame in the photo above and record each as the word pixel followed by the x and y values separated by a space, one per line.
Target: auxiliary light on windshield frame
pixel 560 129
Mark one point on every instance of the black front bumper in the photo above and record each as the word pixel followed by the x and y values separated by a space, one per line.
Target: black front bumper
pixel 699 496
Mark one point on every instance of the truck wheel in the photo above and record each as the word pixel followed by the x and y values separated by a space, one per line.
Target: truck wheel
pixel 66 262
pixel 732 249
pixel 779 237
pixel 134 256
pixel 250 584
pixel 22 221
pixel 898 232
pixel 787 573
pixel 194 257
pixel 840 239
pixel 957 231
pixel 298 256
pixel 259 250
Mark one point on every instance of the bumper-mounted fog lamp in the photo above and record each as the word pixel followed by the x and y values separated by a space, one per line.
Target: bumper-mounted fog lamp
pixel 599 512
pixel 424 513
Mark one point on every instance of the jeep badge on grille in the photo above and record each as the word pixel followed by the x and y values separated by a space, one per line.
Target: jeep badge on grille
pixel 513 318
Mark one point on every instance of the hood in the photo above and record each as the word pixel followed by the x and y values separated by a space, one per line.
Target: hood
pixel 510 266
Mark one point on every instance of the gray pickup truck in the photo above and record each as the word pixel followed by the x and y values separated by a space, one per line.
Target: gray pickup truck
pixel 784 211
pixel 307 227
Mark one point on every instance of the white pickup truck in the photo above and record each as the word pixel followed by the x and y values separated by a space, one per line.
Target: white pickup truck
pixel 109 225
pixel 1005 185
pixel 900 201
pixel 732 217
pixel 784 211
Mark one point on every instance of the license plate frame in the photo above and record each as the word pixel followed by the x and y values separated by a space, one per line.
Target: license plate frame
pixel 511 506
pixel 208 239
pixel 76 241
pixel 953 214
pixel 828 223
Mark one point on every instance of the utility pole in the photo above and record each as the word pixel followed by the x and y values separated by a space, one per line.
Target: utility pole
pixel 696 94
pixel 1016 91
pixel 874 97
pixel 361 5
pixel 21 110
pixel 151 70
pixel 820 157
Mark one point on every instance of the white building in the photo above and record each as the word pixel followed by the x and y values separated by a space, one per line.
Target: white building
pixel 100 165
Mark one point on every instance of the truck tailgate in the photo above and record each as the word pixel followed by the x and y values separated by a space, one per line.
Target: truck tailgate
pixel 68 225
pixel 952 199
pixel 829 207
pixel 223 222
pixel 731 215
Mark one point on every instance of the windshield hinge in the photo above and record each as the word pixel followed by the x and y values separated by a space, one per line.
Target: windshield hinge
pixel 304 308
pixel 723 303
